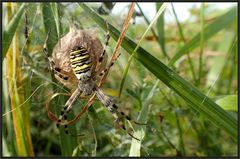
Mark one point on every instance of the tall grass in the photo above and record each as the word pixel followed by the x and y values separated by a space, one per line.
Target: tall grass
pixel 20 117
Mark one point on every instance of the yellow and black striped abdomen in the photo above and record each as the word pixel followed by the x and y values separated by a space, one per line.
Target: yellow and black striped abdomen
pixel 81 63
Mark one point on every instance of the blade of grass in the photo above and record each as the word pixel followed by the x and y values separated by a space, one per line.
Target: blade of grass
pixel 201 44
pixel 50 17
pixel 197 100
pixel 8 34
pixel 153 31
pixel 8 119
pixel 184 41
pixel 6 152
pixel 139 132
pixel 50 25
pixel 55 10
pixel 210 30
pixel 160 11
pixel 161 32
pixel 21 116
pixel 228 102
pixel 229 67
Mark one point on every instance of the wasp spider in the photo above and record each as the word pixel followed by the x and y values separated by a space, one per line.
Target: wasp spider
pixel 78 60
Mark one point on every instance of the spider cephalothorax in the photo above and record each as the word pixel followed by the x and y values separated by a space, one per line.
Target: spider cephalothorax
pixel 78 60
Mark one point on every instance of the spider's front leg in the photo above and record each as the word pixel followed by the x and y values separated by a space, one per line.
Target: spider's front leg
pixel 112 107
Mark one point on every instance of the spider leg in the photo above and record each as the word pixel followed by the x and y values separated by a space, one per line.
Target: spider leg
pixel 111 106
pixel 56 70
pixel 119 42
pixel 104 71
pixel 105 46
pixel 26 29
pixel 66 109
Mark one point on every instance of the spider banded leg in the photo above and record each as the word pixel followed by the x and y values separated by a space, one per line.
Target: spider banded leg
pixel 111 106
pixel 102 55
pixel 106 44
pixel 66 109
pixel 103 72
pixel 57 71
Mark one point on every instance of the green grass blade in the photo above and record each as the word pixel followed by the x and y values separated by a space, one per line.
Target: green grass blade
pixel 50 11
pixel 197 100
pixel 10 30
pixel 229 68
pixel 142 118
pixel 201 44
pixel 7 108
pixel 152 29
pixel 184 41
pixel 161 32
pixel 49 25
pixel 5 150
pixel 178 24
pixel 229 102
pixel 55 10
pixel 210 30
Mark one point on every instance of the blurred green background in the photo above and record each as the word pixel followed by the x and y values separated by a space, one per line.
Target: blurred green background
pixel 202 49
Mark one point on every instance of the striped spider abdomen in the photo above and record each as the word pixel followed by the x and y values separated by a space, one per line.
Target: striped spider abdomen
pixel 78 43
pixel 81 63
